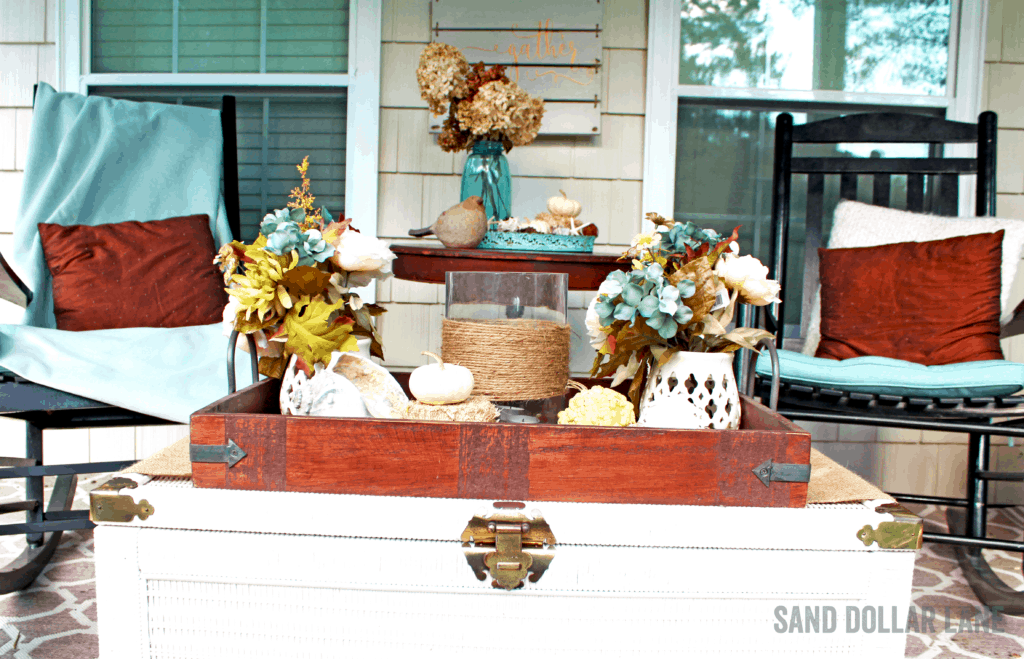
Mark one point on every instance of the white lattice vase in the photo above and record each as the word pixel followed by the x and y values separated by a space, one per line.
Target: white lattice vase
pixel 692 390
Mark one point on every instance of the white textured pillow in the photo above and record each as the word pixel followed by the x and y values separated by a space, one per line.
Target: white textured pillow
pixel 862 225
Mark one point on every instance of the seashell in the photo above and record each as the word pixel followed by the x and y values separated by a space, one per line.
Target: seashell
pixel 540 226
pixel 326 393
pixel 381 393
pixel 511 224
pixel 332 394
pixel 294 397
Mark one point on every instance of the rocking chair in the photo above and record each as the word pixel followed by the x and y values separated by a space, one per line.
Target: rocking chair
pixel 826 390
pixel 42 407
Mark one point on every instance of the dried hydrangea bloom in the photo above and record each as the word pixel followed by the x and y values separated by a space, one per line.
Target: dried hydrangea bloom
pixel 505 109
pixel 488 111
pixel 452 137
pixel 442 76
pixel 525 121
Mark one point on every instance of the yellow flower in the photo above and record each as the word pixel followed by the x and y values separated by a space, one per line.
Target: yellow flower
pixel 304 200
pixel 642 245
pixel 260 292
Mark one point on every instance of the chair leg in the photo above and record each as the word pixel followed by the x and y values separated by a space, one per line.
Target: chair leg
pixel 987 585
pixel 22 571
pixel 34 484
pixel 977 489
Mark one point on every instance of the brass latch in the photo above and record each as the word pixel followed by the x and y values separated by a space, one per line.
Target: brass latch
pixel 510 545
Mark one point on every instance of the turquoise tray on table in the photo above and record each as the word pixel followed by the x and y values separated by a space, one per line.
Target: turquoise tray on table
pixel 535 242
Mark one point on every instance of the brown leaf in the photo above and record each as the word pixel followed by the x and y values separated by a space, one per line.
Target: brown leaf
pixel 305 280
pixel 636 388
pixel 699 272
pixel 620 358
pixel 667 355
pixel 273 367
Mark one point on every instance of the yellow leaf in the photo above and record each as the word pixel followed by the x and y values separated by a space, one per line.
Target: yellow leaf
pixel 311 335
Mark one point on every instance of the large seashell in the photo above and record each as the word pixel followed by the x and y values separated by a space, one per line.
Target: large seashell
pixel 382 395
pixel 332 394
pixel 294 397
pixel 326 393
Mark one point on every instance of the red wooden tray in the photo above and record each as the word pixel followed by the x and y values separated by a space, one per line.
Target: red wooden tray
pixel 538 462
pixel 429 264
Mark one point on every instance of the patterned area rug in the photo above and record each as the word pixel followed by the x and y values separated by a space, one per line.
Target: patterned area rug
pixel 56 617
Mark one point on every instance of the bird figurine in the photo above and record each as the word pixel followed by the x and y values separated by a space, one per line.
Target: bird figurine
pixel 461 226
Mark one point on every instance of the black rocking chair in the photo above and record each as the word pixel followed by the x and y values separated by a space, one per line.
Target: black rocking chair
pixel 43 408
pixel 932 186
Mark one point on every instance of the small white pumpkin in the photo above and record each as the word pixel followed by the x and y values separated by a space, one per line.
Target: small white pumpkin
pixel 440 383
pixel 564 206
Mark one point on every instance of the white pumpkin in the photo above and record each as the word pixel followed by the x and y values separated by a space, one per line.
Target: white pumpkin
pixel 564 206
pixel 440 383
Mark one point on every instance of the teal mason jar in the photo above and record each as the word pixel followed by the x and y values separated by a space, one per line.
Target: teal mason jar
pixel 486 175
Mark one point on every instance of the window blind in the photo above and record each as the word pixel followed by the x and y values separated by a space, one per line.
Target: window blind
pixel 275 132
pixel 227 36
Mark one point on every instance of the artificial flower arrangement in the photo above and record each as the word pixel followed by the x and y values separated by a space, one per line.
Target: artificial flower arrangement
pixel 482 103
pixel 680 295
pixel 293 292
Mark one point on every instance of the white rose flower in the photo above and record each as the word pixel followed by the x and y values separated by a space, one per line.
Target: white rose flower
pixel 230 314
pixel 748 276
pixel 359 252
pixel 593 322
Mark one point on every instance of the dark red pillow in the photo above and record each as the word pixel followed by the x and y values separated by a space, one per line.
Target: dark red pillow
pixel 134 274
pixel 931 303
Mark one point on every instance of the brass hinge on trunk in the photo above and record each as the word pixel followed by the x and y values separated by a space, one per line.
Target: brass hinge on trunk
pixel 106 504
pixel 510 545
pixel 904 532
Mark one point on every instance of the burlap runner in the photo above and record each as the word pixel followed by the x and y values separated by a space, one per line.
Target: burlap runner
pixel 830 482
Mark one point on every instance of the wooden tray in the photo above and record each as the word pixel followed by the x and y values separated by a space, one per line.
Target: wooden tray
pixel 538 462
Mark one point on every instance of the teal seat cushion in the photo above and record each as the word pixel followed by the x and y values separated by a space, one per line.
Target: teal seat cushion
pixel 881 375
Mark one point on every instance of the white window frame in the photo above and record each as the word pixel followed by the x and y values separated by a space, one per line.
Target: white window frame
pixel 362 82
pixel 962 100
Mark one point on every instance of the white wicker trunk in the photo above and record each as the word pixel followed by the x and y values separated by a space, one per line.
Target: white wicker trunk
pixel 230 573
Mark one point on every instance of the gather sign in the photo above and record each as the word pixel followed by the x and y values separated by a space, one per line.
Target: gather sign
pixel 552 49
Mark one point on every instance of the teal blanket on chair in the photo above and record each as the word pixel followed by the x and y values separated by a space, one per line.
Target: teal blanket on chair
pixel 94 160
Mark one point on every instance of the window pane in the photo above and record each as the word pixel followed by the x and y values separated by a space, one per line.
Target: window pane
pixel 274 134
pixel 724 160
pixel 131 36
pixel 310 39
pixel 228 36
pixel 878 46
pixel 219 37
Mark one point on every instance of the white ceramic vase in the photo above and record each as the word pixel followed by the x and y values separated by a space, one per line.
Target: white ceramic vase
pixel 692 390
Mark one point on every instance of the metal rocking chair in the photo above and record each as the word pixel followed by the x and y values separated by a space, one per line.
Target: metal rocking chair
pixel 932 185
pixel 43 408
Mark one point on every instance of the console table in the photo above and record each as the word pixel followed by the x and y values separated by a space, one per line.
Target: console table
pixel 429 264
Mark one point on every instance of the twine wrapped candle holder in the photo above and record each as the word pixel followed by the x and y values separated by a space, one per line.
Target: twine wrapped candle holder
pixel 511 330
pixel 510 359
